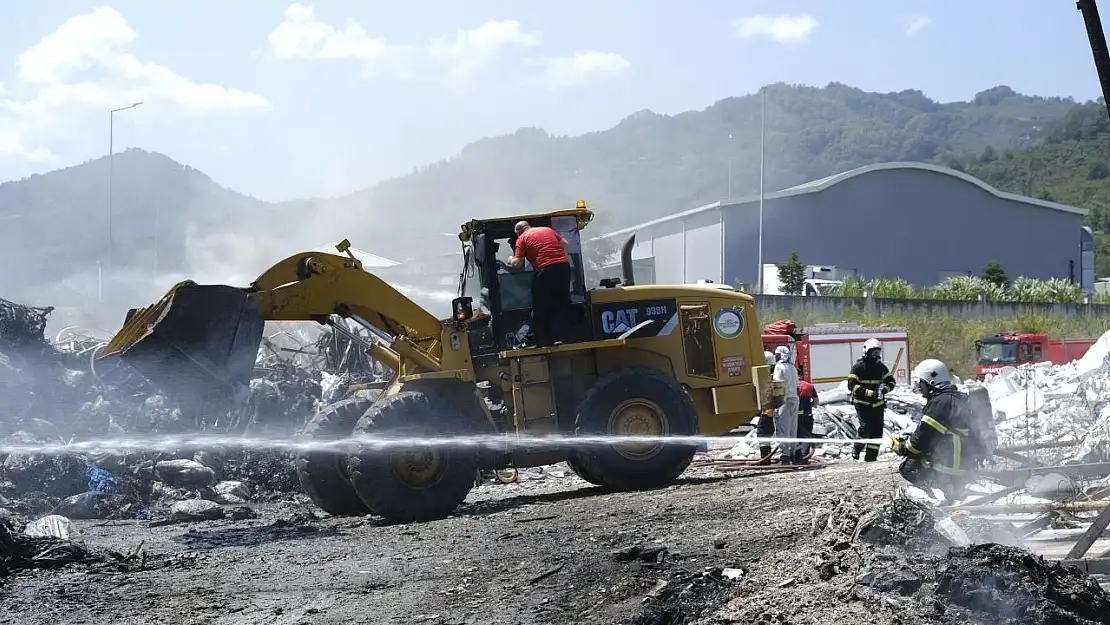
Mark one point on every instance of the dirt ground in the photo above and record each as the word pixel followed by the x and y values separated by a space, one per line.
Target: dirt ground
pixel 711 549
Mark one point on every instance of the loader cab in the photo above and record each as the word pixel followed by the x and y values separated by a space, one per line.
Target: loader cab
pixel 504 295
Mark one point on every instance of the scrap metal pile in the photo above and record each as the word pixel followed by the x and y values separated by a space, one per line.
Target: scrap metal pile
pixel 60 391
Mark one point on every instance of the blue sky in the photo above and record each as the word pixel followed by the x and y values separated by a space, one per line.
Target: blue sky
pixel 281 101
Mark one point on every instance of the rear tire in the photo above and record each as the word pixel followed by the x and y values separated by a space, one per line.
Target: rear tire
pixel 407 483
pixel 323 474
pixel 636 400
pixel 577 465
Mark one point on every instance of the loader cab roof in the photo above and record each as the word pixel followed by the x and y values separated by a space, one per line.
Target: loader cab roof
pixel 503 226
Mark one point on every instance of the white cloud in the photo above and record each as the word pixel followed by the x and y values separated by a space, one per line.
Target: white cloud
pixel 83 66
pixel 470 51
pixel 917 23
pixel 781 28
pixel 462 55
pixel 301 35
pixel 574 70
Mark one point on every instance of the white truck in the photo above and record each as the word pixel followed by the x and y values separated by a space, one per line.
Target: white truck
pixel 819 280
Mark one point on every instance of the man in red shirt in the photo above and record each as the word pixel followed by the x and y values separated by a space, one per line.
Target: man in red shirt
pixel 546 251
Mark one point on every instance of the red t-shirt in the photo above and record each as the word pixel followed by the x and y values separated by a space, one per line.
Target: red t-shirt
pixel 541 246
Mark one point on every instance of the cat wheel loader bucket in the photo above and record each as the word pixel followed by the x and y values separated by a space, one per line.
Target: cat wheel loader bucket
pixel 197 342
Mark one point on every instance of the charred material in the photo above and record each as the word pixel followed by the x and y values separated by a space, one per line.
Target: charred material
pixel 19 552
pixel 1011 585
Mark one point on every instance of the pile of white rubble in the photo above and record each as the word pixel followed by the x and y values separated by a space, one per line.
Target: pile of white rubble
pixel 1033 405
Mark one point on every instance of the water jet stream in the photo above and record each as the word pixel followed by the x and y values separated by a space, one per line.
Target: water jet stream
pixel 134 444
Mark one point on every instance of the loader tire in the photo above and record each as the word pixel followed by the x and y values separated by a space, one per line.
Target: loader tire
pixel 323 474
pixel 636 400
pixel 407 483
pixel 579 467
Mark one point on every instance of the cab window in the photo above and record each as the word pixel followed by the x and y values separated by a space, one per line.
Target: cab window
pixel 470 281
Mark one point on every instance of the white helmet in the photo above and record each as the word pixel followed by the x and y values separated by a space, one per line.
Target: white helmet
pixel 782 352
pixel 770 359
pixel 932 372
pixel 871 344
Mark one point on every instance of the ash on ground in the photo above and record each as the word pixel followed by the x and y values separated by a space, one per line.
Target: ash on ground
pixel 898 564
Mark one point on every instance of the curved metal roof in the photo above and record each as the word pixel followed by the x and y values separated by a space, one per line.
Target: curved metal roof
pixel 828 181
pixel 817 186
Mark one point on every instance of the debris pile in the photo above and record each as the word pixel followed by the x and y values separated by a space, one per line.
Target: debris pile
pixel 34 549
pixel 1066 407
pixel 897 563
pixel 1013 586
pixel 77 395
pixel 1034 405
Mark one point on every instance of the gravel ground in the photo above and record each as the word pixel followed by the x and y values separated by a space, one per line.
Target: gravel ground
pixel 711 549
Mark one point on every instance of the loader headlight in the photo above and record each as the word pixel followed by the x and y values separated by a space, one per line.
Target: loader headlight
pixel 462 308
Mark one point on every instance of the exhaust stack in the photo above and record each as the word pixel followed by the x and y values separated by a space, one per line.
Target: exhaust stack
pixel 628 277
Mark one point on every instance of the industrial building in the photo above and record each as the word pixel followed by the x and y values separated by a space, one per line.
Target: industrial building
pixel 917 221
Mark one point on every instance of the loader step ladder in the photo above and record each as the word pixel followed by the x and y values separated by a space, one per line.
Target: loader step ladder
pixel 548 381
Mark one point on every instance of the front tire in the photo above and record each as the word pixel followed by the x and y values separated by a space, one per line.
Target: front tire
pixel 323 474
pixel 636 401
pixel 411 482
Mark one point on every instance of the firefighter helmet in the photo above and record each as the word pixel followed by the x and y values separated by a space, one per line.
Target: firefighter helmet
pixel 871 344
pixel 932 372
pixel 770 359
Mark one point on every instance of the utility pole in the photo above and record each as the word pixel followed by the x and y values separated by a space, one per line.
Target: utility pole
pixel 111 152
pixel 729 198
pixel 762 145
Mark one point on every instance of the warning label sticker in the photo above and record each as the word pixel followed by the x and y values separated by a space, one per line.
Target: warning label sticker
pixel 734 366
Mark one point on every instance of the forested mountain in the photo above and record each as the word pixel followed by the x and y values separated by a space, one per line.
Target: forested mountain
pixel 1071 166
pixel 647 166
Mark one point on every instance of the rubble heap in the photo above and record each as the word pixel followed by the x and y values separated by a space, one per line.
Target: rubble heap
pixel 1034 405
pixel 22 551
pixel 896 563
pixel 1013 586
pixel 74 395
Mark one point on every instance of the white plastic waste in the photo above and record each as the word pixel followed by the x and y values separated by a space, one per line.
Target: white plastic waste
pixel 55 526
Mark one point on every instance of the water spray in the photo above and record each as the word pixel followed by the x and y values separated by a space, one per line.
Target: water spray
pixel 358 444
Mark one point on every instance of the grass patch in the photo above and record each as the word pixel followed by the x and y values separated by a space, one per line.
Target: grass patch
pixel 952 339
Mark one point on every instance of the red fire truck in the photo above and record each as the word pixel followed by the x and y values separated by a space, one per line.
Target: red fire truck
pixel 826 352
pixel 1015 348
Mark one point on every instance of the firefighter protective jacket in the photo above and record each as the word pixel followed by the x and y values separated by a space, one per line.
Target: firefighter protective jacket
pixel 864 381
pixel 938 442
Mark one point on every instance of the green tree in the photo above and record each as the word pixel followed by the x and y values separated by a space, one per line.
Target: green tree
pixel 792 275
pixel 995 274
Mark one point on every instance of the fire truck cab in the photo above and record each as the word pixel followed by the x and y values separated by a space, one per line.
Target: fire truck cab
pixel 1016 348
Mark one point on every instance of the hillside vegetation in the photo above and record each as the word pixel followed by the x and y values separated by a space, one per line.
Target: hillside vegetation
pixel 952 340
pixel 1071 166
pixel 647 166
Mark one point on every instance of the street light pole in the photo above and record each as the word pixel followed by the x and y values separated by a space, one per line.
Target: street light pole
pixel 762 143
pixel 729 167
pixel 111 153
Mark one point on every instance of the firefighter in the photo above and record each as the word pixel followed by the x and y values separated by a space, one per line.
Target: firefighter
pixel 934 455
pixel 786 419
pixel 868 384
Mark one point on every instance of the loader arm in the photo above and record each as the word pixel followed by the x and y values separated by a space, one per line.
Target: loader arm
pixel 203 339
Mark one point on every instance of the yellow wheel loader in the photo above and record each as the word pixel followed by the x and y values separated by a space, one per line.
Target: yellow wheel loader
pixel 639 360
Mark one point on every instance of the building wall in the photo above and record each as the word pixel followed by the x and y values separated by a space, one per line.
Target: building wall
pixel 678 251
pixel 915 224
